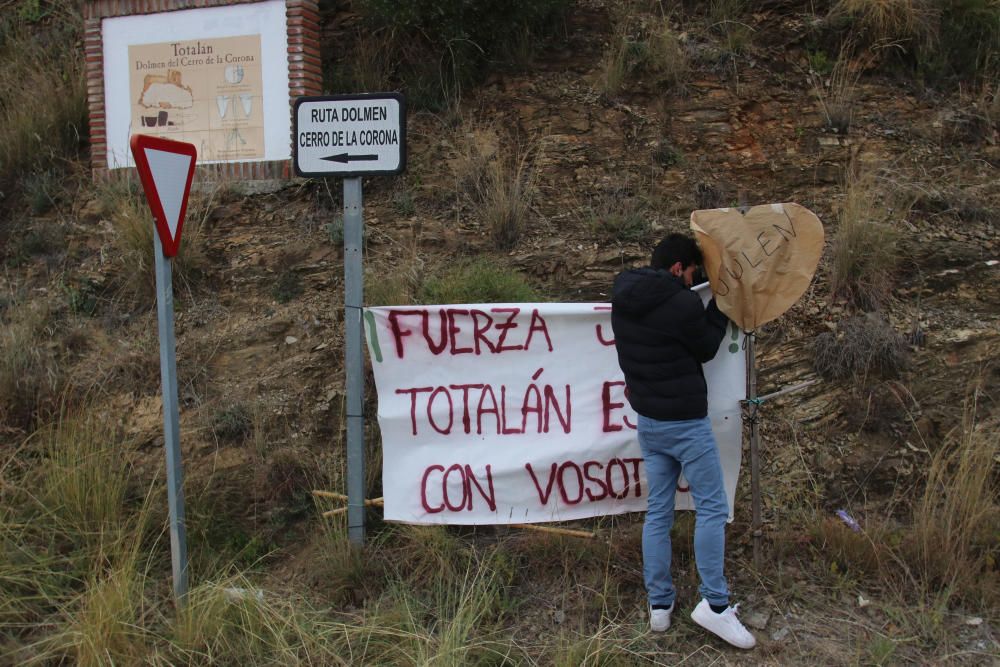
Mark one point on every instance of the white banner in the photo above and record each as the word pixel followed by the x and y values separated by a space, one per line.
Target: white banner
pixel 516 413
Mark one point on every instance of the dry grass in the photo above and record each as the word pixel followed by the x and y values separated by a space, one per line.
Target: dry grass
pixel 945 555
pixel 124 205
pixel 105 624
pixel 43 109
pixel 836 93
pixel 497 174
pixel 637 47
pixel 667 57
pixel 30 373
pixel 412 595
pixel 72 541
pixel 617 217
pixel 388 290
pixel 617 62
pixel 910 21
pixel 865 252
pixel 84 455
pixel 727 18
pixel 955 541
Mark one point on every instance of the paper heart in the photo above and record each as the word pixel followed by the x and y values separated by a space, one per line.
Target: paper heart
pixel 759 263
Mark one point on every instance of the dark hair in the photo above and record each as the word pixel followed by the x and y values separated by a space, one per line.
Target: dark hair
pixel 676 248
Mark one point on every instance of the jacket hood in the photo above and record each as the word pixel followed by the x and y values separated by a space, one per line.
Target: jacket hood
pixel 637 291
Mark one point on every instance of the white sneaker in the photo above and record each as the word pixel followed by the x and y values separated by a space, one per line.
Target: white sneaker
pixel 724 625
pixel 659 619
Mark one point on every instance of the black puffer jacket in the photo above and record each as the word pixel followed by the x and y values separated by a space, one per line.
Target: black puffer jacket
pixel 663 334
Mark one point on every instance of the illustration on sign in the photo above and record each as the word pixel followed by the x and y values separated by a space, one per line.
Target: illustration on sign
pixel 206 92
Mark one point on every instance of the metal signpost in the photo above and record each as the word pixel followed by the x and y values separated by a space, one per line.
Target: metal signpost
pixel 166 169
pixel 352 136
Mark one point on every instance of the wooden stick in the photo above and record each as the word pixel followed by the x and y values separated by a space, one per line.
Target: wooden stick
pixel 330 494
pixel 755 522
pixel 786 390
pixel 369 502
pixel 555 531
pixel 373 502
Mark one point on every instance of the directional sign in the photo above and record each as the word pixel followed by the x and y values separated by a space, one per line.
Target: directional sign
pixel 350 135
pixel 166 169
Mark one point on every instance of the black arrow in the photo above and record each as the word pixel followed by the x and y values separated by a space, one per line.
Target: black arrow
pixel 347 157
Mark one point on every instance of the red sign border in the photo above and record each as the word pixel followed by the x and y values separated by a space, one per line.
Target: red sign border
pixel 139 143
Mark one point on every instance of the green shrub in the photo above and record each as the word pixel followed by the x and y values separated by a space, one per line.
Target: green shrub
pixel 819 62
pixel 943 38
pixel 41 239
pixel 287 287
pixel 445 44
pixel 402 201
pixel 667 155
pixel 335 231
pixel 42 190
pixel 478 281
pixel 969 41
pixel 81 298
pixel 232 423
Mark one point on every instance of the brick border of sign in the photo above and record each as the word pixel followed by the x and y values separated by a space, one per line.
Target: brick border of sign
pixel 305 77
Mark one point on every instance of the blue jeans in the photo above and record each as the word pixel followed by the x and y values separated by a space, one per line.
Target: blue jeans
pixel 670 447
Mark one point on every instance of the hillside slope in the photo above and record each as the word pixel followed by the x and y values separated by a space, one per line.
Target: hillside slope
pixel 606 171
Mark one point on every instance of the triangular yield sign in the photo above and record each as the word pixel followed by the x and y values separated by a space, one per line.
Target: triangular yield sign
pixel 166 169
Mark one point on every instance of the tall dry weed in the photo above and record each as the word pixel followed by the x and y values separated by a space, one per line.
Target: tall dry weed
pixel 837 92
pixel 865 253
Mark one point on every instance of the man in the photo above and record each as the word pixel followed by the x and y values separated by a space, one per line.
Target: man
pixel 663 335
